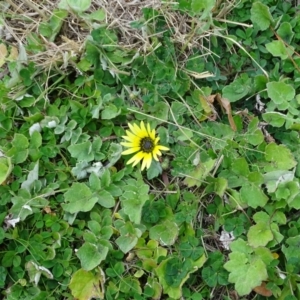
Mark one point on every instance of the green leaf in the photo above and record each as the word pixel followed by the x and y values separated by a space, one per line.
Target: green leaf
pixel 274 178
pixel 116 271
pixel 265 254
pixel 32 176
pixel 113 154
pixel 129 237
pixel 110 112
pixel 220 185
pixel 98 15
pixel 196 177
pixel 276 119
pixel 94 182
pixel 35 272
pixel 199 5
pixel 255 137
pixel 244 274
pixel 261 217
pixel 133 199
pixel 53 27
pixel 240 245
pixel 285 31
pixel 35 140
pixel 79 5
pixel 238 89
pixel 259 235
pixel 166 232
pixel 261 16
pixel 91 255
pixel 86 285
pixel 82 151
pixel 5 167
pixel 280 157
pixel 24 205
pixel 105 199
pixel 154 171
pixel 240 167
pixel 19 151
pixel 280 92
pixel 253 196
pixel 278 48
pixel 79 198
pixel 173 273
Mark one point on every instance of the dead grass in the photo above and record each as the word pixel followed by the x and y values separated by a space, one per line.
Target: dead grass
pixel 21 18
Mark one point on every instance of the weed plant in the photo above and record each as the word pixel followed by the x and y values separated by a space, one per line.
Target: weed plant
pixel 212 83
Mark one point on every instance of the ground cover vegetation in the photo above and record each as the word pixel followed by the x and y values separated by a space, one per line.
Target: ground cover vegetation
pixel 149 149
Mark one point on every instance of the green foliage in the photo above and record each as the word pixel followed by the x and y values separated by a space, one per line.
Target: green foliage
pixel 86 285
pixel 218 213
pixel 261 16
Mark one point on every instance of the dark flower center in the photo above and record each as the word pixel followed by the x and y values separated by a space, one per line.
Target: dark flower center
pixel 147 145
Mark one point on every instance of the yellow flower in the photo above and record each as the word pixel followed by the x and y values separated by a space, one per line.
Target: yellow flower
pixel 143 141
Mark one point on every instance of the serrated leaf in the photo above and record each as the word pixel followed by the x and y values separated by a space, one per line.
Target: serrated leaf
pixel 82 151
pixel 261 16
pixel 173 273
pixel 79 198
pixel 24 205
pixel 240 167
pixel 85 285
pixel 259 235
pixel 91 255
pixel 280 157
pixel 243 274
pixel 19 151
pixel 240 245
pixel 105 199
pixel 253 196
pixel 94 182
pixel 220 186
pixel 129 237
pixel 133 200
pixel 113 154
pixel 280 92
pixel 166 232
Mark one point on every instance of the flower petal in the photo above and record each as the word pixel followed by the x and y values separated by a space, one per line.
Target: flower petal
pixel 130 145
pixel 156 151
pixel 155 156
pixel 130 136
pixel 132 129
pixel 152 134
pixel 143 128
pixel 130 151
pixel 160 147
pixel 147 161
pixel 136 158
